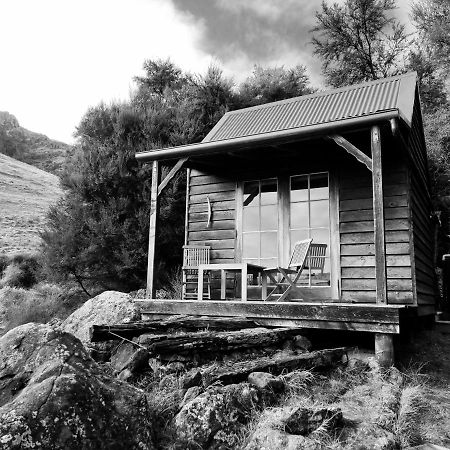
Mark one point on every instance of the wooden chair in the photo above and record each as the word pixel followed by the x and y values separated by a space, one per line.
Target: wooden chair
pixel 296 265
pixel 316 257
pixel 193 256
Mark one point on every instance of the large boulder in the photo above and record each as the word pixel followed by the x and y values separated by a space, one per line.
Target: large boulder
pixel 108 308
pixel 54 396
pixel 212 419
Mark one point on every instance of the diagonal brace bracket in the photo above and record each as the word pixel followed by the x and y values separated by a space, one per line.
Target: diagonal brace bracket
pixel 171 174
pixel 354 151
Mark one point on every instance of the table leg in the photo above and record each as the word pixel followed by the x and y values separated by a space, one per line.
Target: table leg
pixel 200 285
pixel 223 284
pixel 244 283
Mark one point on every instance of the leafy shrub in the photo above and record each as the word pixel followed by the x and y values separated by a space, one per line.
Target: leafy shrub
pixel 21 270
pixel 4 261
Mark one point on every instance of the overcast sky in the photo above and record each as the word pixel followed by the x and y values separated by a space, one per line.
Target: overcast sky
pixel 58 57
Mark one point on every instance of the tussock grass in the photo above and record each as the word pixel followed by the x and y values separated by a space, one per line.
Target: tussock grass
pixel 43 303
pixel 174 286
pixel 411 406
pixel 164 400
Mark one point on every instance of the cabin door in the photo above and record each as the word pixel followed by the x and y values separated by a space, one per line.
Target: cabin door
pixel 278 212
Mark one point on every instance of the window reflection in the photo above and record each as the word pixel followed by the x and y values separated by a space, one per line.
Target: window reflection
pixel 318 186
pixel 268 244
pixel 260 222
pixel 299 188
pixel 310 218
pixel 319 213
pixel 251 219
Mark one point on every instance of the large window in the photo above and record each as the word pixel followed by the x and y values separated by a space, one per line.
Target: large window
pixel 278 212
pixel 310 218
pixel 260 222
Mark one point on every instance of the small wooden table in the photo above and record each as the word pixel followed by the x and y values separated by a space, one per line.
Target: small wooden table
pixel 244 268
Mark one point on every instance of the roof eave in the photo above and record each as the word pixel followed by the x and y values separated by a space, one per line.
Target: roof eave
pixel 275 137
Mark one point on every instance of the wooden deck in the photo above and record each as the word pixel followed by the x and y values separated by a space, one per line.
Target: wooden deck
pixel 338 316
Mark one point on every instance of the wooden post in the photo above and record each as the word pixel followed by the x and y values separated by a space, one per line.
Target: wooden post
pixel 154 206
pixel 384 347
pixel 378 217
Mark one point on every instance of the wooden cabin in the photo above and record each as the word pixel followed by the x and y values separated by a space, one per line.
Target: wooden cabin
pixel 347 168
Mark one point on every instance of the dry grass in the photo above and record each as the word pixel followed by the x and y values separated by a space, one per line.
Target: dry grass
pixel 41 304
pixel 174 286
pixel 164 400
pixel 25 196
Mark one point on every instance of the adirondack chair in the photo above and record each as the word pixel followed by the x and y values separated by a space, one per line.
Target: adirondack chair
pixel 296 265
pixel 193 256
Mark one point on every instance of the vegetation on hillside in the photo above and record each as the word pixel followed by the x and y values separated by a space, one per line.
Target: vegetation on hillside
pixel 26 193
pixel 32 148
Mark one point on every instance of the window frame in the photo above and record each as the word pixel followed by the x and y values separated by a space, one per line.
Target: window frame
pixel 284 231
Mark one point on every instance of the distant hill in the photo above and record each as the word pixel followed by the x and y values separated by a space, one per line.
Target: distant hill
pixel 26 193
pixel 30 147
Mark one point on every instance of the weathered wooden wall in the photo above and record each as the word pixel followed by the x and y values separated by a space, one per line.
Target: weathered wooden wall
pixel 356 226
pixel 221 233
pixel 423 231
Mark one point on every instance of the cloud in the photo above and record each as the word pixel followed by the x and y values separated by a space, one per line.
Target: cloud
pixel 242 33
pixel 261 32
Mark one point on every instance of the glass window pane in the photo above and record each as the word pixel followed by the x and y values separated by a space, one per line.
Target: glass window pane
pixel 319 186
pixel 269 192
pixel 251 193
pixel 299 215
pixel 298 235
pixel 299 188
pixel 269 247
pixel 269 217
pixel 269 262
pixel 321 279
pixel 319 214
pixel 250 245
pixel 251 219
pixel 321 236
pixel 251 261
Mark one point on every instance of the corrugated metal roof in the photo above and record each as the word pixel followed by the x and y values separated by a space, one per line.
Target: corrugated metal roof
pixel 395 93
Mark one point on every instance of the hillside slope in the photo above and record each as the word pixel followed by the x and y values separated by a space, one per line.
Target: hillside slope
pixel 30 147
pixel 26 193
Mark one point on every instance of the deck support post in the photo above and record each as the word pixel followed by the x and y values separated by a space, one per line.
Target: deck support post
pixel 154 207
pixel 384 347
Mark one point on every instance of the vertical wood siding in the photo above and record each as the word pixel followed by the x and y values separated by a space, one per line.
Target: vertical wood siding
pixel 423 238
pixel 220 235
pixel 357 248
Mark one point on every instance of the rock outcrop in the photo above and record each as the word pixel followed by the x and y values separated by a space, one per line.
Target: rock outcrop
pixel 212 419
pixel 106 308
pixel 54 396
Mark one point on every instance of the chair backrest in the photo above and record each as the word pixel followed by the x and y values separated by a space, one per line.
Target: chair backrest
pixel 316 256
pixel 193 255
pixel 299 253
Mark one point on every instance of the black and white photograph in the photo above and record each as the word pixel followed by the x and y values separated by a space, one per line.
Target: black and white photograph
pixel 225 224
